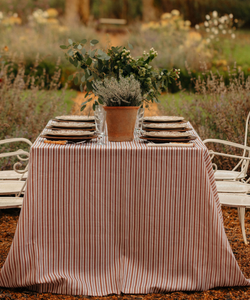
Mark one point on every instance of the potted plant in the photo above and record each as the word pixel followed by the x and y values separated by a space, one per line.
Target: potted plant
pixel 121 99
pixel 113 65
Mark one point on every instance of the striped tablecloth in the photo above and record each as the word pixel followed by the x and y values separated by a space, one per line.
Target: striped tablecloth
pixel 124 217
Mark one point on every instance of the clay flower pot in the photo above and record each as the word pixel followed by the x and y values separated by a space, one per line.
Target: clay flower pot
pixel 121 122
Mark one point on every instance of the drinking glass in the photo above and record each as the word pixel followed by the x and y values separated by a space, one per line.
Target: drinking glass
pixel 100 118
pixel 138 123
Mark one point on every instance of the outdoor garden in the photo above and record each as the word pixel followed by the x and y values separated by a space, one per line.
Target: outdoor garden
pixel 205 44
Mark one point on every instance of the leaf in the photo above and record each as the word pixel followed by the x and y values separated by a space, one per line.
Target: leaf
pixel 83 78
pixel 84 41
pixel 100 101
pixel 89 61
pixel 130 46
pixel 91 78
pixel 70 77
pixel 82 108
pixel 79 47
pixel 70 52
pixel 63 47
pixel 85 102
pixel 84 51
pixel 93 107
pixel 86 95
pixel 89 86
pixel 70 41
pixel 76 80
pixel 81 88
pixel 94 42
pixel 107 57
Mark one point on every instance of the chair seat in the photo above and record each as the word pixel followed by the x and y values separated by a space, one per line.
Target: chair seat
pixel 236 200
pixel 8 187
pixel 10 202
pixel 12 175
pixel 227 175
pixel 232 187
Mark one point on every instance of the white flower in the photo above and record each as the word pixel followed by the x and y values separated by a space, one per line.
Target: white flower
pixel 212 36
pixel 116 67
pixel 224 31
pixel 215 22
pixel 15 15
pixel 231 16
pixel 220 26
pixel 215 14
pixel 175 12
pixel 207 30
pixel 206 24
pixel 1 15
pixel 207 17
pixel 197 27
pixel 159 77
pixel 233 36
pixel 208 40
pixel 216 31
pixel 162 73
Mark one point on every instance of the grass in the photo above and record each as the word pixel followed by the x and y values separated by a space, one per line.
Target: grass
pixel 68 97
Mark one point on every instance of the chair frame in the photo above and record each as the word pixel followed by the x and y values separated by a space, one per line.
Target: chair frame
pixel 244 159
pixel 10 202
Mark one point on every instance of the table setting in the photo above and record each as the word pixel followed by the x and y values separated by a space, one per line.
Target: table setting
pixel 119 202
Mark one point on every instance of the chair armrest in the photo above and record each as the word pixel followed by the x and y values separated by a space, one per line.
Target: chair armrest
pixel 15 140
pixel 227 143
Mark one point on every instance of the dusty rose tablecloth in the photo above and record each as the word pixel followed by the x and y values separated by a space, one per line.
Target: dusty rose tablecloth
pixel 98 220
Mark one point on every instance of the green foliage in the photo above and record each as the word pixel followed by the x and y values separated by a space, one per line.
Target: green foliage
pixel 98 65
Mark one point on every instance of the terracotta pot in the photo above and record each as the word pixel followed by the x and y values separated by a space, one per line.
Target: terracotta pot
pixel 121 122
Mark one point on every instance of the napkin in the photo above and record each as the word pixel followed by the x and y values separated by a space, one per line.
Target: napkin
pixel 171 145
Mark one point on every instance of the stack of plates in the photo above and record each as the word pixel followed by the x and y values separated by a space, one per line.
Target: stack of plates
pixel 167 136
pixel 69 135
pixel 166 129
pixel 166 123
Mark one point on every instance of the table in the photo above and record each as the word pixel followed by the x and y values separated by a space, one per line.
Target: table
pixel 124 217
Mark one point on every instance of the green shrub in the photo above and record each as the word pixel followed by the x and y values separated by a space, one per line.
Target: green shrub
pixel 25 112
pixel 216 111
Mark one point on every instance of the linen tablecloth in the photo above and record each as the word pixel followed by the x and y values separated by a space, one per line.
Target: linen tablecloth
pixel 99 220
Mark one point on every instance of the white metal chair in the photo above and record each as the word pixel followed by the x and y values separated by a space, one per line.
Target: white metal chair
pixel 232 187
pixel 235 194
pixel 11 191
pixel 242 164
pixel 15 174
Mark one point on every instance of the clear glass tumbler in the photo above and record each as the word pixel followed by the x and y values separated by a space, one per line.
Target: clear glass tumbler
pixel 138 123
pixel 100 121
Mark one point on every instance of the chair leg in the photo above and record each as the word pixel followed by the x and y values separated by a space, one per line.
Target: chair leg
pixel 241 214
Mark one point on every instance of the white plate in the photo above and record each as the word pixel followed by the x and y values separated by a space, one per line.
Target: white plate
pixel 165 125
pixel 163 119
pixel 171 134
pixel 71 124
pixel 68 132
pixel 76 118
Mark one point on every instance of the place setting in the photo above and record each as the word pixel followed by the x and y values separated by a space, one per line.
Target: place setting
pixel 166 131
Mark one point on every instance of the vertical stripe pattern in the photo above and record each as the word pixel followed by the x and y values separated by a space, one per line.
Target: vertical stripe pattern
pixel 99 220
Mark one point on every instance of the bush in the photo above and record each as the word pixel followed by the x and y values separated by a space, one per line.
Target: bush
pixel 25 112
pixel 216 110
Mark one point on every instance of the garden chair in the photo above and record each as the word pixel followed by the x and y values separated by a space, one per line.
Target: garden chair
pixel 235 194
pixel 15 174
pixel 242 164
pixel 11 191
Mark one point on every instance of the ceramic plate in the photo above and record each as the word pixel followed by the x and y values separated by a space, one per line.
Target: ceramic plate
pixel 76 118
pixel 69 133
pixel 70 124
pixel 165 125
pixel 163 119
pixel 70 138
pixel 167 134
pixel 164 140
